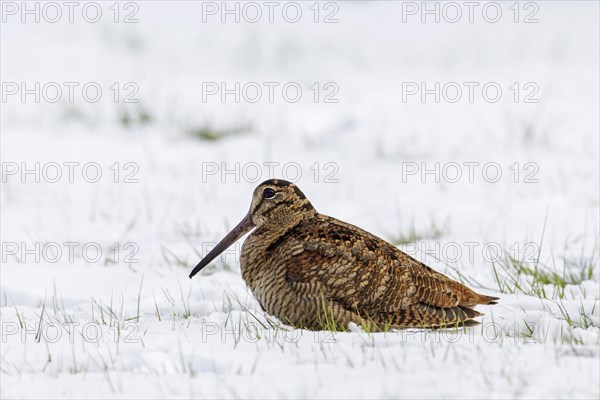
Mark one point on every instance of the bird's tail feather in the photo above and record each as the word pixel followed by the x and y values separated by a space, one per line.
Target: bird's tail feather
pixel 427 316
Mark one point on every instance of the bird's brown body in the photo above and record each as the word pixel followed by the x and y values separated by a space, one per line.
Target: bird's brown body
pixel 316 272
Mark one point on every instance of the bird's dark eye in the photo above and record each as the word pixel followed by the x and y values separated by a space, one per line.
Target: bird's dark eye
pixel 268 193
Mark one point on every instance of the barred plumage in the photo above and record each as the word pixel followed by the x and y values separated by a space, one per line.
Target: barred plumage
pixel 316 272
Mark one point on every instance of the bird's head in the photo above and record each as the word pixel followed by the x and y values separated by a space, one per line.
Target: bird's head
pixel 275 203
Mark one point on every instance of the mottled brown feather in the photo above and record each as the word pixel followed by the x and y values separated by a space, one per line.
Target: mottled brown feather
pixel 304 267
pixel 368 276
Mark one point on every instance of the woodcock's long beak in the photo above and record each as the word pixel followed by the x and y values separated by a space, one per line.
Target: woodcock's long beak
pixel 240 230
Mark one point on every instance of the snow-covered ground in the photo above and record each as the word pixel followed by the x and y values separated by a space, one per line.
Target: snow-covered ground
pixel 95 299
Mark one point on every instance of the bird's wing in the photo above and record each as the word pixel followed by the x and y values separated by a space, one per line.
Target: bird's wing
pixel 359 270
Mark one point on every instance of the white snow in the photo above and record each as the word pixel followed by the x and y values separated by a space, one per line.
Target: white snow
pixel 132 325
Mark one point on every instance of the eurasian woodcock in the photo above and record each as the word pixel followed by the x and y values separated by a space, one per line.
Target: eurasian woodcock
pixel 316 272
